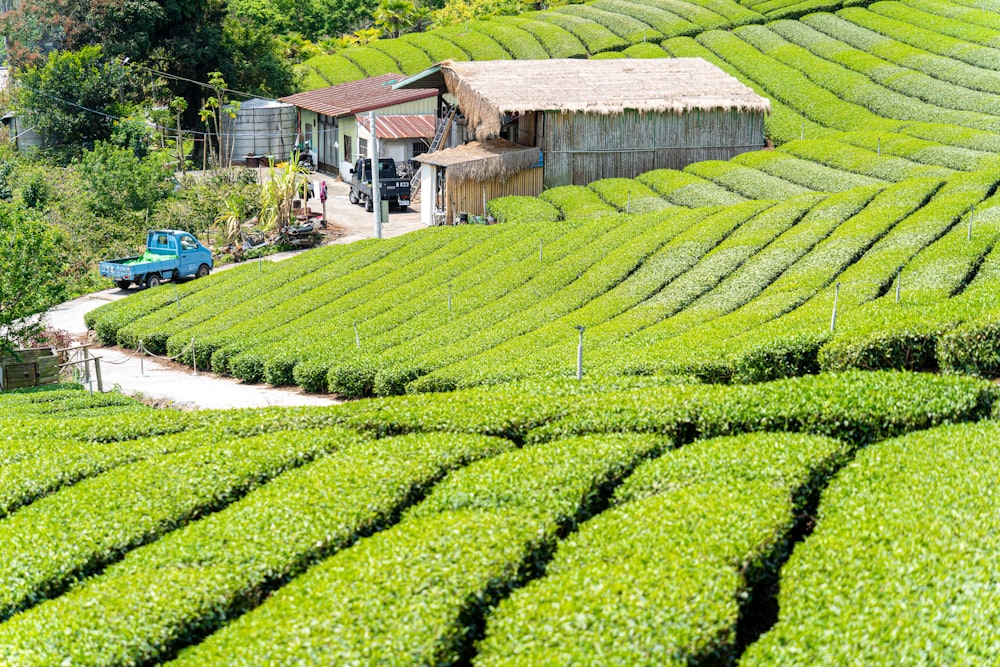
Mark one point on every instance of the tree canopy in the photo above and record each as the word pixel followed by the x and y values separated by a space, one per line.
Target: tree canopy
pixel 30 265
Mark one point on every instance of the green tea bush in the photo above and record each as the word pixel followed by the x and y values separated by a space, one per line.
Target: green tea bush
pixel 480 532
pixel 576 201
pixel 515 209
pixel 686 189
pixel 902 593
pixel 409 58
pixel 806 173
pixel 628 28
pixel 478 45
pixel 335 69
pixel 750 183
pixel 557 42
pixel 661 576
pixel 167 594
pixel 667 23
pixel 437 48
pixel 520 44
pixel 628 195
pixel 77 531
pixel 594 36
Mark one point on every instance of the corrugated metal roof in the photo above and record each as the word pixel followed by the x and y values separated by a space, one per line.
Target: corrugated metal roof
pixel 357 96
pixel 413 126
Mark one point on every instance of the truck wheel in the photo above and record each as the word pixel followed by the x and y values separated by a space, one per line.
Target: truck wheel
pixel 123 284
pixel 152 281
pixel 203 271
pixel 352 197
pixel 368 204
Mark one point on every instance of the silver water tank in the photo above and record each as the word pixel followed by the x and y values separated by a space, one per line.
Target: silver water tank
pixel 260 128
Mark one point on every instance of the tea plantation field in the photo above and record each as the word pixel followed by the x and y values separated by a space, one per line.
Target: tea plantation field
pixel 625 521
pixel 783 450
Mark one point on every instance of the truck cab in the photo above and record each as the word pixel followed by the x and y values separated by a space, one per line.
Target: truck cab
pixel 392 188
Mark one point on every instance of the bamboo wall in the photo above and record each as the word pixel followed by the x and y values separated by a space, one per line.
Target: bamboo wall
pixel 581 148
pixel 467 196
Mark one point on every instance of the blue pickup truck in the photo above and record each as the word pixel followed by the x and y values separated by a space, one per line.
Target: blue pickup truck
pixel 170 254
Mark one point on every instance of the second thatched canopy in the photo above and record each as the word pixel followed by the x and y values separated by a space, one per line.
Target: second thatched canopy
pixel 487 90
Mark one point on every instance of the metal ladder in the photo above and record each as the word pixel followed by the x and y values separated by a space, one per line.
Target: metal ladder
pixel 439 138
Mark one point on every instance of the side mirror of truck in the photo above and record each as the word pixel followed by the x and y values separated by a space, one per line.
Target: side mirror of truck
pixel 351 171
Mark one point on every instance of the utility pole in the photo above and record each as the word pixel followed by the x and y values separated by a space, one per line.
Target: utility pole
pixel 376 188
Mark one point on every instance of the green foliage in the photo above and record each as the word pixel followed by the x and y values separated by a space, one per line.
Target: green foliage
pixel 30 263
pixel 129 506
pixel 576 201
pixel 685 189
pixel 595 37
pixel 58 99
pixel 661 576
pixel 119 183
pixel 156 598
pixel 480 532
pixel 520 44
pixel 514 209
pixel 628 28
pixel 907 568
pixel 745 181
pixel 557 42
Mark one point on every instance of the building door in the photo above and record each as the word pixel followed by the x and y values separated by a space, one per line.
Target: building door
pixel 326 146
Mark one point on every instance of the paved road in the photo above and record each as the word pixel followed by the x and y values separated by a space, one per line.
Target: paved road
pixel 177 385
pixel 169 384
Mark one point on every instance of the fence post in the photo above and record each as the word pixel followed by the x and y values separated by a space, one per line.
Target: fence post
pixel 899 273
pixel 449 297
pixel 194 357
pixel 540 244
pixel 357 337
pixel 97 372
pixel 142 360
pixel 579 354
pixel 836 294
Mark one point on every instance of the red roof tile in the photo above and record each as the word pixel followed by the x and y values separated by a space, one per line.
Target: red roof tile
pixel 394 126
pixel 357 96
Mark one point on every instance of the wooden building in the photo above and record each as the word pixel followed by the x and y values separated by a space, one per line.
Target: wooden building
pixel 328 117
pixel 594 119
pixel 459 181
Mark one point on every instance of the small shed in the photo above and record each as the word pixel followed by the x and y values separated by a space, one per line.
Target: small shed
pixel 460 180
pixel 595 119
pixel 29 368
pixel 327 117
pixel 401 137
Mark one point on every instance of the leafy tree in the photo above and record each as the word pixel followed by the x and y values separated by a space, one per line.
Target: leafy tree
pixel 393 16
pixel 459 11
pixel 30 265
pixel 118 182
pixel 74 97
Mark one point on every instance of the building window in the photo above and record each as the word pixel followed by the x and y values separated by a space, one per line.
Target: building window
pixel 348 154
pixel 419 148
pixel 362 147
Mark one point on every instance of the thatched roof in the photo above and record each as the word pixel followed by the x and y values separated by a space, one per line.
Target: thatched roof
pixel 479 161
pixel 487 89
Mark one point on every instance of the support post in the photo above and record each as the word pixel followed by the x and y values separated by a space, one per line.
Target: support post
pixel 376 188
pixel 899 274
pixel 357 336
pixel 836 295
pixel 97 372
pixel 540 245
pixel 880 147
pixel 194 358
pixel 142 360
pixel 579 354
pixel 449 297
